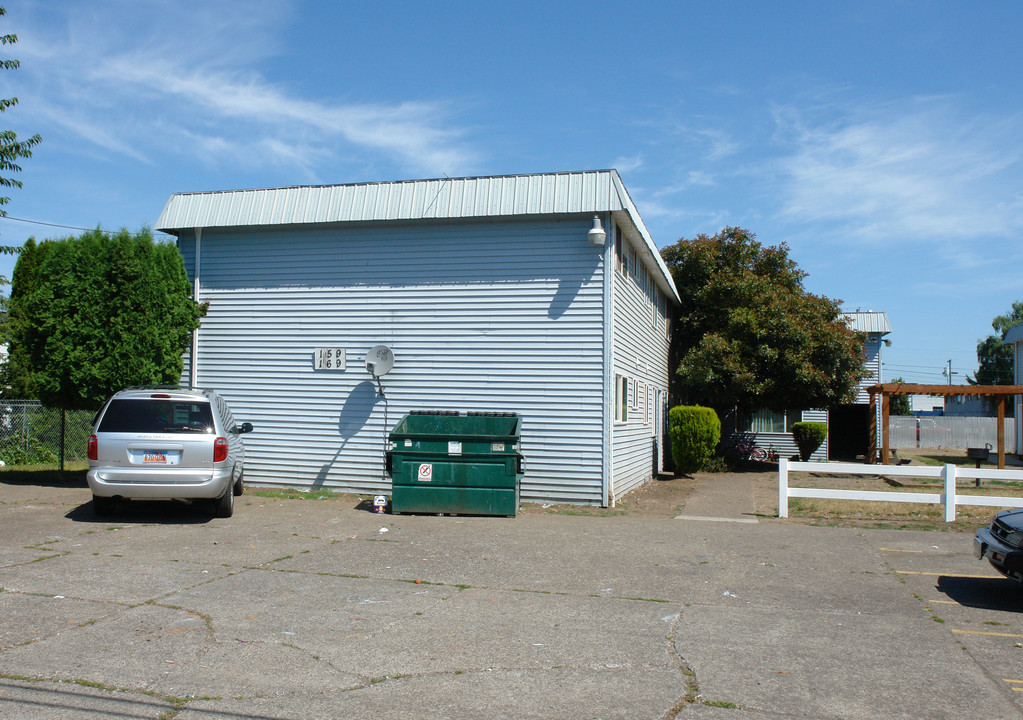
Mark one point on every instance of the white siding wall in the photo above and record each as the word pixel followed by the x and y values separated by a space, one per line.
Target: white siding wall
pixel 641 355
pixel 872 362
pixel 503 316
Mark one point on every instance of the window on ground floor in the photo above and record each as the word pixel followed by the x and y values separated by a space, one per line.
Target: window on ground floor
pixel 765 420
pixel 621 398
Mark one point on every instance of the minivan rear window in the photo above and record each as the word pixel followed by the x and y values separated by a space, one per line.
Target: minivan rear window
pixel 147 415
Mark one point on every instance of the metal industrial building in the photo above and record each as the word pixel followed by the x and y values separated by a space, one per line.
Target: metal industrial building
pixel 541 294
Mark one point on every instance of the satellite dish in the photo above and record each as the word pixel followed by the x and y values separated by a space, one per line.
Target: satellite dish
pixel 379 360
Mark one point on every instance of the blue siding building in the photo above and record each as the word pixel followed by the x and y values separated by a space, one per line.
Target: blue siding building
pixel 537 294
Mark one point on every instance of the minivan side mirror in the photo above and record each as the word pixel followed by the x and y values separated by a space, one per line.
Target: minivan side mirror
pixel 243 428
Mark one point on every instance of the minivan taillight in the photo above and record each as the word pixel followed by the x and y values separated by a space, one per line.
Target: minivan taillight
pixel 220 449
pixel 93 451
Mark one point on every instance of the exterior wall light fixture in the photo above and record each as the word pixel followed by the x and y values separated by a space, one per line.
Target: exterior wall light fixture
pixel 596 235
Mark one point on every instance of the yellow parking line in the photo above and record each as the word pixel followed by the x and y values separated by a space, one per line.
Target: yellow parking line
pixel 1011 681
pixel 951 575
pixel 981 632
pixel 942 602
pixel 897 550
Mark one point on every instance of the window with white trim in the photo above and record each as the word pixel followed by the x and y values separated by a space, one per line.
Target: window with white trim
pixel 769 421
pixel 621 398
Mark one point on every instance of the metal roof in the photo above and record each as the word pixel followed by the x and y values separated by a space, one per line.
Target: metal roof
pixel 1014 334
pixel 868 322
pixel 594 191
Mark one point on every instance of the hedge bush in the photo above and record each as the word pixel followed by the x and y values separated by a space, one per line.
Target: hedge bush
pixel 694 432
pixel 808 437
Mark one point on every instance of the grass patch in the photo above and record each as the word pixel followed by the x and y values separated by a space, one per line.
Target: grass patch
pixel 294 494
pixel 720 704
pixel 580 510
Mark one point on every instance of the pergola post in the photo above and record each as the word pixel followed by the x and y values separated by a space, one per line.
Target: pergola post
pixel 886 401
pixel 1001 431
pixel 872 424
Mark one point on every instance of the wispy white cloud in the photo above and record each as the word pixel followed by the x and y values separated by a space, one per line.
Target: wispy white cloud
pixel 628 164
pixel 110 89
pixel 919 170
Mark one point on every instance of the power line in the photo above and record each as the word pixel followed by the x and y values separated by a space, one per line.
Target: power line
pixel 56 225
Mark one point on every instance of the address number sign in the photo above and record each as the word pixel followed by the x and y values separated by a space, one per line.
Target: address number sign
pixel 330 358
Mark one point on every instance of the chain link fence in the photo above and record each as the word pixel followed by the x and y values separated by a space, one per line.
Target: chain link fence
pixel 949 431
pixel 30 433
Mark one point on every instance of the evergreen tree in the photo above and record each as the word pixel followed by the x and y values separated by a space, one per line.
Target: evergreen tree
pixel 93 314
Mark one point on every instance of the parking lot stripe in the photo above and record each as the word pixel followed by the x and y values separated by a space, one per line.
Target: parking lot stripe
pixel 982 632
pixel 943 602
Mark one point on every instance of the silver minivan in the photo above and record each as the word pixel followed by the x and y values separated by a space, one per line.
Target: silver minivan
pixel 159 443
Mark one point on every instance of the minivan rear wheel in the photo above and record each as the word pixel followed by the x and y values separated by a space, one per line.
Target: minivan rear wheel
pixel 223 507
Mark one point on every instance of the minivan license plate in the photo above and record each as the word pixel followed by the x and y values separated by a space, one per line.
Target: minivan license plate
pixel 154 456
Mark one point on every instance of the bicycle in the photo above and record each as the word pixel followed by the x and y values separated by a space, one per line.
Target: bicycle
pixel 748 450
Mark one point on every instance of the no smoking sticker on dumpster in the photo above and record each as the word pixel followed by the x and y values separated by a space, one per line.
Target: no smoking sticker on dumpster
pixel 425 473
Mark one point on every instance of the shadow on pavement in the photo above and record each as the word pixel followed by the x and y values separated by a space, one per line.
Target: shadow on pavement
pixel 44 478
pixel 146 512
pixel 999 594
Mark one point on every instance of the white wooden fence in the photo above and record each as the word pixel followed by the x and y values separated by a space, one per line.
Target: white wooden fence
pixel 948 473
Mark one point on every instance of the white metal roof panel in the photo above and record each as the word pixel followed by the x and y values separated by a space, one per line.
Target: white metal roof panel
pixel 868 322
pixel 444 198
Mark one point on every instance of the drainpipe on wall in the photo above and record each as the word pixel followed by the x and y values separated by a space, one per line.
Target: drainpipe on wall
pixel 193 372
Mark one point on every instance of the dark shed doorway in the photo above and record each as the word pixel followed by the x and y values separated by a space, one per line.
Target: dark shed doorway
pixel 849 432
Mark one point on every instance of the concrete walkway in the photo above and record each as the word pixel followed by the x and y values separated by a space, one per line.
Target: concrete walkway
pixel 727 497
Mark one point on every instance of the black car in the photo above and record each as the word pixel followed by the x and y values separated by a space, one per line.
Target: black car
pixel 1002 544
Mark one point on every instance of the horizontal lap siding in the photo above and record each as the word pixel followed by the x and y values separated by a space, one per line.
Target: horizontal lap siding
pixel 785 444
pixel 641 354
pixel 484 316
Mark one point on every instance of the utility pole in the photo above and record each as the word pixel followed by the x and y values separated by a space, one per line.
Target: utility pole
pixel 947 372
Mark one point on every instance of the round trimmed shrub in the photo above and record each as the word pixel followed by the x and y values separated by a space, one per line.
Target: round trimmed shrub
pixel 808 437
pixel 694 432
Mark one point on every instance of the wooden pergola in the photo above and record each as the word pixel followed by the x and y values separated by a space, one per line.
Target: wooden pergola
pixel 887 390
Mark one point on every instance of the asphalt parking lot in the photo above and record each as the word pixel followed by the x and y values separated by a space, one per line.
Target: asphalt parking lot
pixel 321 609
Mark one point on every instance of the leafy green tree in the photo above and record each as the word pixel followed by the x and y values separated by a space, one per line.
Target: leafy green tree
pixel 11 149
pixel 749 335
pixel 994 357
pixel 899 404
pixel 93 314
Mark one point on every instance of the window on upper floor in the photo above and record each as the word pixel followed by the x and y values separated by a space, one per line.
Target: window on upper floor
pixel 620 243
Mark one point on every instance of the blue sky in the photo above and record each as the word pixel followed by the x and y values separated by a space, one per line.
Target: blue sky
pixel 881 140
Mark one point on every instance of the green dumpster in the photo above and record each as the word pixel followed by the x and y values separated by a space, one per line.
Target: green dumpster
pixel 446 462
